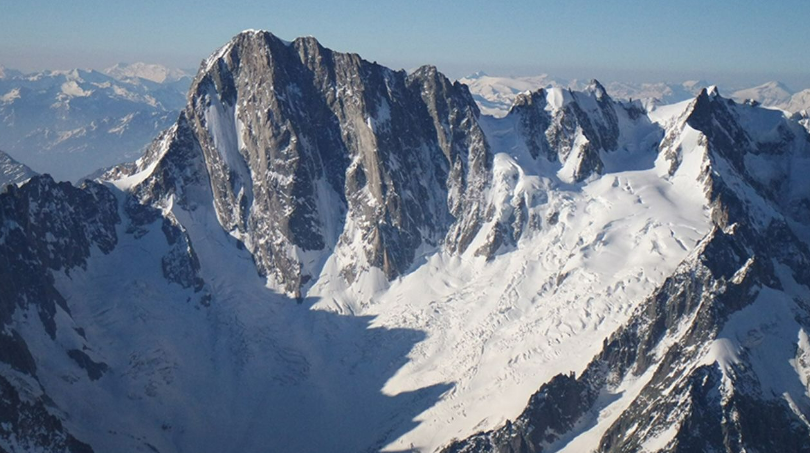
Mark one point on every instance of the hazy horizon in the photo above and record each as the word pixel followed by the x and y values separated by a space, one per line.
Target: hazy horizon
pixel 723 81
pixel 731 43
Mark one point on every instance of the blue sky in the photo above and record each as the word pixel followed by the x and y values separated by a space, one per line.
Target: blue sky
pixel 723 41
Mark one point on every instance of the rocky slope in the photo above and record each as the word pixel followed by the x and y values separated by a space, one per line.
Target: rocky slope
pixel 327 255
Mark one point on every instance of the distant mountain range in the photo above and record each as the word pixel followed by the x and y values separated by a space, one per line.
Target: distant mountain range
pixel 495 95
pixel 70 123
pixel 154 72
pixel 776 94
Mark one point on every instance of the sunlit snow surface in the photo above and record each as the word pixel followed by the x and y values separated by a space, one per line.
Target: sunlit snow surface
pixel 497 330
pixel 456 345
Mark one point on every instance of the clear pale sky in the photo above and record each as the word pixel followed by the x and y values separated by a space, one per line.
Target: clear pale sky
pixel 731 41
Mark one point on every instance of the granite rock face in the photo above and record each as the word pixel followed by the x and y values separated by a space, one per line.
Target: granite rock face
pixel 311 152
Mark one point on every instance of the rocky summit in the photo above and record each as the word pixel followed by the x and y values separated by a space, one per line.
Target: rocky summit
pixel 324 254
pixel 13 172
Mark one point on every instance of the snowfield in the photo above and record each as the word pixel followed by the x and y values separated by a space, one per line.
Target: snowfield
pixel 497 330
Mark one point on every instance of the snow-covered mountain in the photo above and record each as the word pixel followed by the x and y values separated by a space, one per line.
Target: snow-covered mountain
pixel 770 94
pixel 323 254
pixel 71 123
pixel 776 94
pixel 716 357
pixel 799 102
pixel 13 172
pixel 154 72
pixel 8 73
pixel 495 95
pixel 660 93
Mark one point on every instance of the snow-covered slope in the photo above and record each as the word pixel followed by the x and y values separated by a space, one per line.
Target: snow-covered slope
pixel 322 254
pixel 71 123
pixel 495 95
pixel 770 93
pixel 800 101
pixel 777 95
pixel 715 358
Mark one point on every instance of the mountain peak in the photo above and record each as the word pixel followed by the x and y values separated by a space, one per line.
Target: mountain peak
pixel 264 34
pixel 301 128
pixel 705 94
pixel 597 89
pixel 150 71
pixel 241 40
pixel 427 70
pixel 776 85
pixel 476 75
pixel 12 171
pixel 307 40
pixel 770 93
